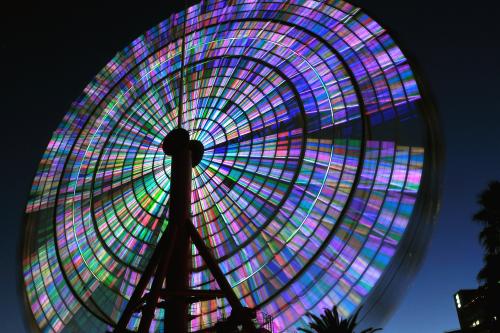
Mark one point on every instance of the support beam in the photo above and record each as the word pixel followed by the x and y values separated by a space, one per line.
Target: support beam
pixel 151 268
pixel 170 265
pixel 219 276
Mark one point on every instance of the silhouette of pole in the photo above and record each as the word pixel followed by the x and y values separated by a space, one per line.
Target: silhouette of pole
pixel 177 145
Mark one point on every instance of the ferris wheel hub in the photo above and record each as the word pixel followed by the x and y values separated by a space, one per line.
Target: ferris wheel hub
pixel 177 140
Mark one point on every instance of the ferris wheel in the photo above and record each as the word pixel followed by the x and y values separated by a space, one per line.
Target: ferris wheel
pixel 241 158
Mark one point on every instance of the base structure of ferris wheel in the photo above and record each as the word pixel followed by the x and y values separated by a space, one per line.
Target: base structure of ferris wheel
pixel 170 264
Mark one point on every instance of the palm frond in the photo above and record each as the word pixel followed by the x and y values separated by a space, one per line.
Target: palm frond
pixel 331 322
pixel 371 330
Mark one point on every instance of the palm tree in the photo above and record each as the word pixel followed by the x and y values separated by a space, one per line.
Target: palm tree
pixel 489 218
pixel 331 322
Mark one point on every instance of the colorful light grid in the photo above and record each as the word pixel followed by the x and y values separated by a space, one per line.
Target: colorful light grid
pixel 308 183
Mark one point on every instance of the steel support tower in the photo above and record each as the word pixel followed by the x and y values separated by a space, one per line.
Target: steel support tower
pixel 169 267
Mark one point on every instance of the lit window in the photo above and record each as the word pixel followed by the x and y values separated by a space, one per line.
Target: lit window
pixel 457 298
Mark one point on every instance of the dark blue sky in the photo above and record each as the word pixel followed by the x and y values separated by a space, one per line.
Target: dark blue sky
pixel 50 53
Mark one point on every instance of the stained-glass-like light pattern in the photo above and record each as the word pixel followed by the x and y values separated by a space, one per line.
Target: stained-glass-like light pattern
pixel 314 136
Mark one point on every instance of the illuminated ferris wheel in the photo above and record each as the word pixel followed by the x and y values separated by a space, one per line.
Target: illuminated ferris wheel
pixel 306 175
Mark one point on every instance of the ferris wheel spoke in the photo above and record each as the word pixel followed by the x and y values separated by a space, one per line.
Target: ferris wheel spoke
pixel 222 91
pixel 217 194
pixel 135 128
pixel 128 184
pixel 160 119
pixel 124 161
pixel 214 186
pixel 228 210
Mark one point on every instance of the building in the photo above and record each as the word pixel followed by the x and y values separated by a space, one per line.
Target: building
pixel 471 310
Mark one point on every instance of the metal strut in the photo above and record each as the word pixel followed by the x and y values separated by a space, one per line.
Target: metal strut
pixel 170 265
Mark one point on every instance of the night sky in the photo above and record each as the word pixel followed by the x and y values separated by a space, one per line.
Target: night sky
pixel 50 53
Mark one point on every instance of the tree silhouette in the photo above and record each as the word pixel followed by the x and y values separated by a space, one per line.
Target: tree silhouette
pixel 331 322
pixel 489 275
